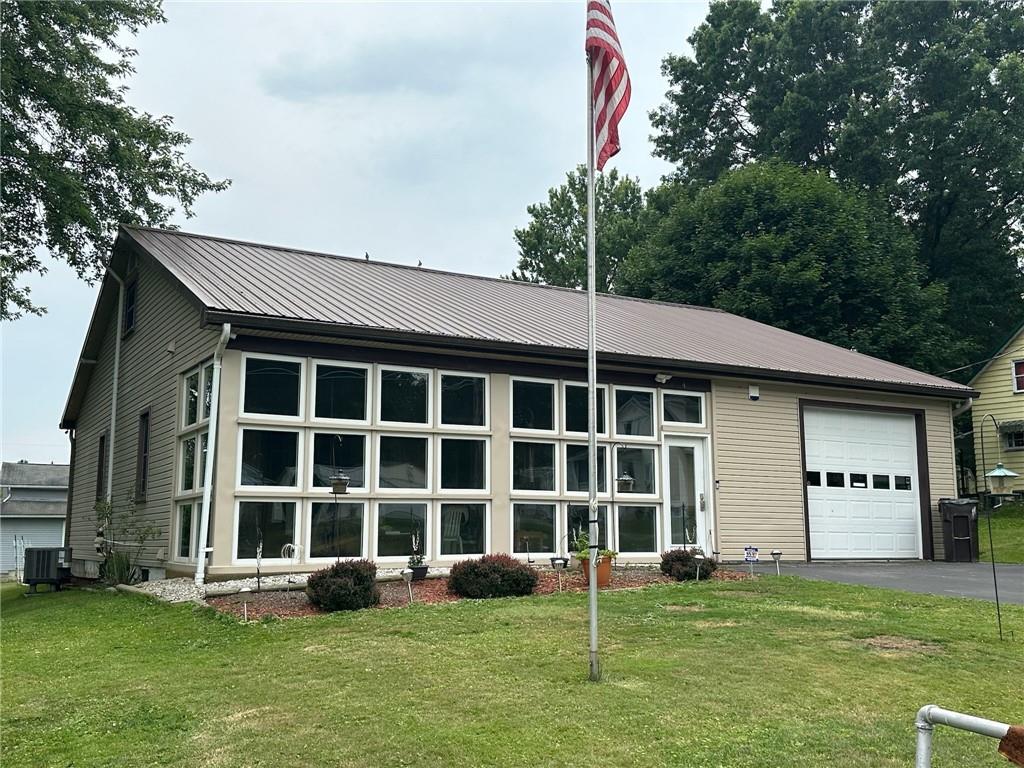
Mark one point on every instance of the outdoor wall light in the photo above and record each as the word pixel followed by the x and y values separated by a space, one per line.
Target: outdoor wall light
pixel 624 483
pixel 339 484
pixel 663 378
pixel 777 556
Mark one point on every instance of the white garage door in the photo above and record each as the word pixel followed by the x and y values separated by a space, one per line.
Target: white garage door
pixel 862 494
pixel 16 533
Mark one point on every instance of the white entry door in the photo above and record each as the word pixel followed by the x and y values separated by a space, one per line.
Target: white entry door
pixel 686 496
pixel 862 484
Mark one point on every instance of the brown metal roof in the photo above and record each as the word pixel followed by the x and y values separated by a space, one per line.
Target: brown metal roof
pixel 288 288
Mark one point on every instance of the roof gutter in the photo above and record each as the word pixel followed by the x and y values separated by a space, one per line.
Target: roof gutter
pixel 113 387
pixel 211 448
pixel 964 407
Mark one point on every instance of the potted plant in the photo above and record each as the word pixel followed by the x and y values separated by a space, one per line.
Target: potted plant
pixel 419 570
pixel 604 561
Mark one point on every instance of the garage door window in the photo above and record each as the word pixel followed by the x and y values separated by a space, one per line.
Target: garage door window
pixel 858 480
pixel 903 483
pixel 835 479
pixel 880 482
pixel 814 478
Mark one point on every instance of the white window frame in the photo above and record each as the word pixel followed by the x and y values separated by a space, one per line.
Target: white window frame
pixel 640 498
pixel 193 532
pixel 197 474
pixel 311 464
pixel 429 475
pixel 308 527
pixel 555 406
pixel 564 468
pixel 441 373
pixel 299 461
pixel 486 490
pixel 556 458
pixel 665 423
pixel 658 525
pixel 1013 376
pixel 379 400
pixel 426 546
pixel 185 426
pixel 564 520
pixel 273 417
pixel 512 528
pixel 1006 441
pixel 296 528
pixel 202 388
pixel 438 533
pixel 583 385
pixel 367 394
pixel 655 420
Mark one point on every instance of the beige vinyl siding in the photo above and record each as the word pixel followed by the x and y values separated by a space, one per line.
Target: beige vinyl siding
pixel 995 384
pixel 167 341
pixel 757 459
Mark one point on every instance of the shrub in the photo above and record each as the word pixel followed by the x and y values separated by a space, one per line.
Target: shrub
pixel 492 576
pixel 344 586
pixel 681 565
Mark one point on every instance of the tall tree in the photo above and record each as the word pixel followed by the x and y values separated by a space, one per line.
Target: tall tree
pixel 920 102
pixel 795 249
pixel 553 246
pixel 77 160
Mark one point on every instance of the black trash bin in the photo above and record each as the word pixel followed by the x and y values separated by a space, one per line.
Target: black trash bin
pixel 959 529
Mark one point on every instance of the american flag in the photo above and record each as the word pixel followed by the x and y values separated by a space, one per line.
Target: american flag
pixel 610 78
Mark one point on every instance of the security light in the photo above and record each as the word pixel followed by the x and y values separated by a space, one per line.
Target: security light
pixel 663 378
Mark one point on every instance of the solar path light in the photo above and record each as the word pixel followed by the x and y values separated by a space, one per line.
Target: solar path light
pixel 777 556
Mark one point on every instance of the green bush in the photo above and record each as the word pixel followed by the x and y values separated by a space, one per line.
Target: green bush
pixel 681 565
pixel 344 586
pixel 492 576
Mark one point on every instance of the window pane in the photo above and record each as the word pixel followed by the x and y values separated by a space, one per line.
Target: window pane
pixel 336 530
pixel 462 529
pixel 682 409
pixel 835 479
pixel 634 412
pixel 403 462
pixel 576 403
pixel 578 521
pixel 881 482
pixel 340 393
pixel 130 295
pixel 462 463
pixel 403 396
pixel 638 529
pixel 533 466
pixel 192 398
pixel 858 480
pixel 334 454
pixel 400 529
pixel 577 469
pixel 207 390
pixel 814 478
pixel 463 400
pixel 637 463
pixel 269 457
pixel 533 528
pixel 188 464
pixel 533 405
pixel 902 483
pixel 269 522
pixel 142 458
pixel 204 445
pixel 272 386
pixel 185 531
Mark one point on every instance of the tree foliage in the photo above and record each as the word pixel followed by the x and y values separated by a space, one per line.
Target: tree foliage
pixel 793 248
pixel 921 103
pixel 552 247
pixel 77 160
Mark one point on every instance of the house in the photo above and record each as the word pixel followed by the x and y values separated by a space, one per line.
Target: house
pixel 998 412
pixel 33 507
pixel 223 384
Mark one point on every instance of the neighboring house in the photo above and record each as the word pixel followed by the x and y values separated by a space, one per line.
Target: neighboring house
pixel 33 507
pixel 457 407
pixel 1001 395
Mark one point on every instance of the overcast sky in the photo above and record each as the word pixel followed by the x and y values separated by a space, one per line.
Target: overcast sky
pixel 413 131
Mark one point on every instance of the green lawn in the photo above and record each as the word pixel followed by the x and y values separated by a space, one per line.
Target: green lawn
pixel 775 672
pixel 1007 534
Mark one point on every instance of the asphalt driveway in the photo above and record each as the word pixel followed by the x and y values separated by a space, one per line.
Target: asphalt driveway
pixel 951 579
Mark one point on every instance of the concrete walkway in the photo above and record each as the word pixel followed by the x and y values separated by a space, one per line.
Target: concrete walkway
pixel 972 580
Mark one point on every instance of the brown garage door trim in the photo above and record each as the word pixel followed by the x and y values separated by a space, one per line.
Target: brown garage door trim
pixel 924 490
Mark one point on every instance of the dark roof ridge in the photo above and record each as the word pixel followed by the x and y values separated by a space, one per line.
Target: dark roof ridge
pixel 395 265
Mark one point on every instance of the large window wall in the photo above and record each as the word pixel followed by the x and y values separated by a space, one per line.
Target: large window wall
pixel 195 389
pixel 414 442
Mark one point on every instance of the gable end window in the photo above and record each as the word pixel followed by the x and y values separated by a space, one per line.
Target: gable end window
pixel 1018 375
pixel 101 467
pixel 142 458
pixel 130 307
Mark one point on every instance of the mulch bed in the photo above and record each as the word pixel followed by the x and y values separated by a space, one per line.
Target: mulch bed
pixel 395 594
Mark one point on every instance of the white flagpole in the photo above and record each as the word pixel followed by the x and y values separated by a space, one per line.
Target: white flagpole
pixel 595 666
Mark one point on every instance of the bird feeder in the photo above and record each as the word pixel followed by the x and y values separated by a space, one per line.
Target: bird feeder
pixel 339 484
pixel 999 477
pixel 624 483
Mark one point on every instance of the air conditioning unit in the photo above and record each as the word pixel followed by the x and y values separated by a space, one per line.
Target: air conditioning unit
pixel 47 565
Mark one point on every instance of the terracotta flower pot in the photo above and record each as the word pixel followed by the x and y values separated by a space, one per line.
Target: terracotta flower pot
pixel 604 571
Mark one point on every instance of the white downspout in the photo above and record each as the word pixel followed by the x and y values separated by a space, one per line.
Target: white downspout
pixel 211 447
pixel 113 389
pixel 963 407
